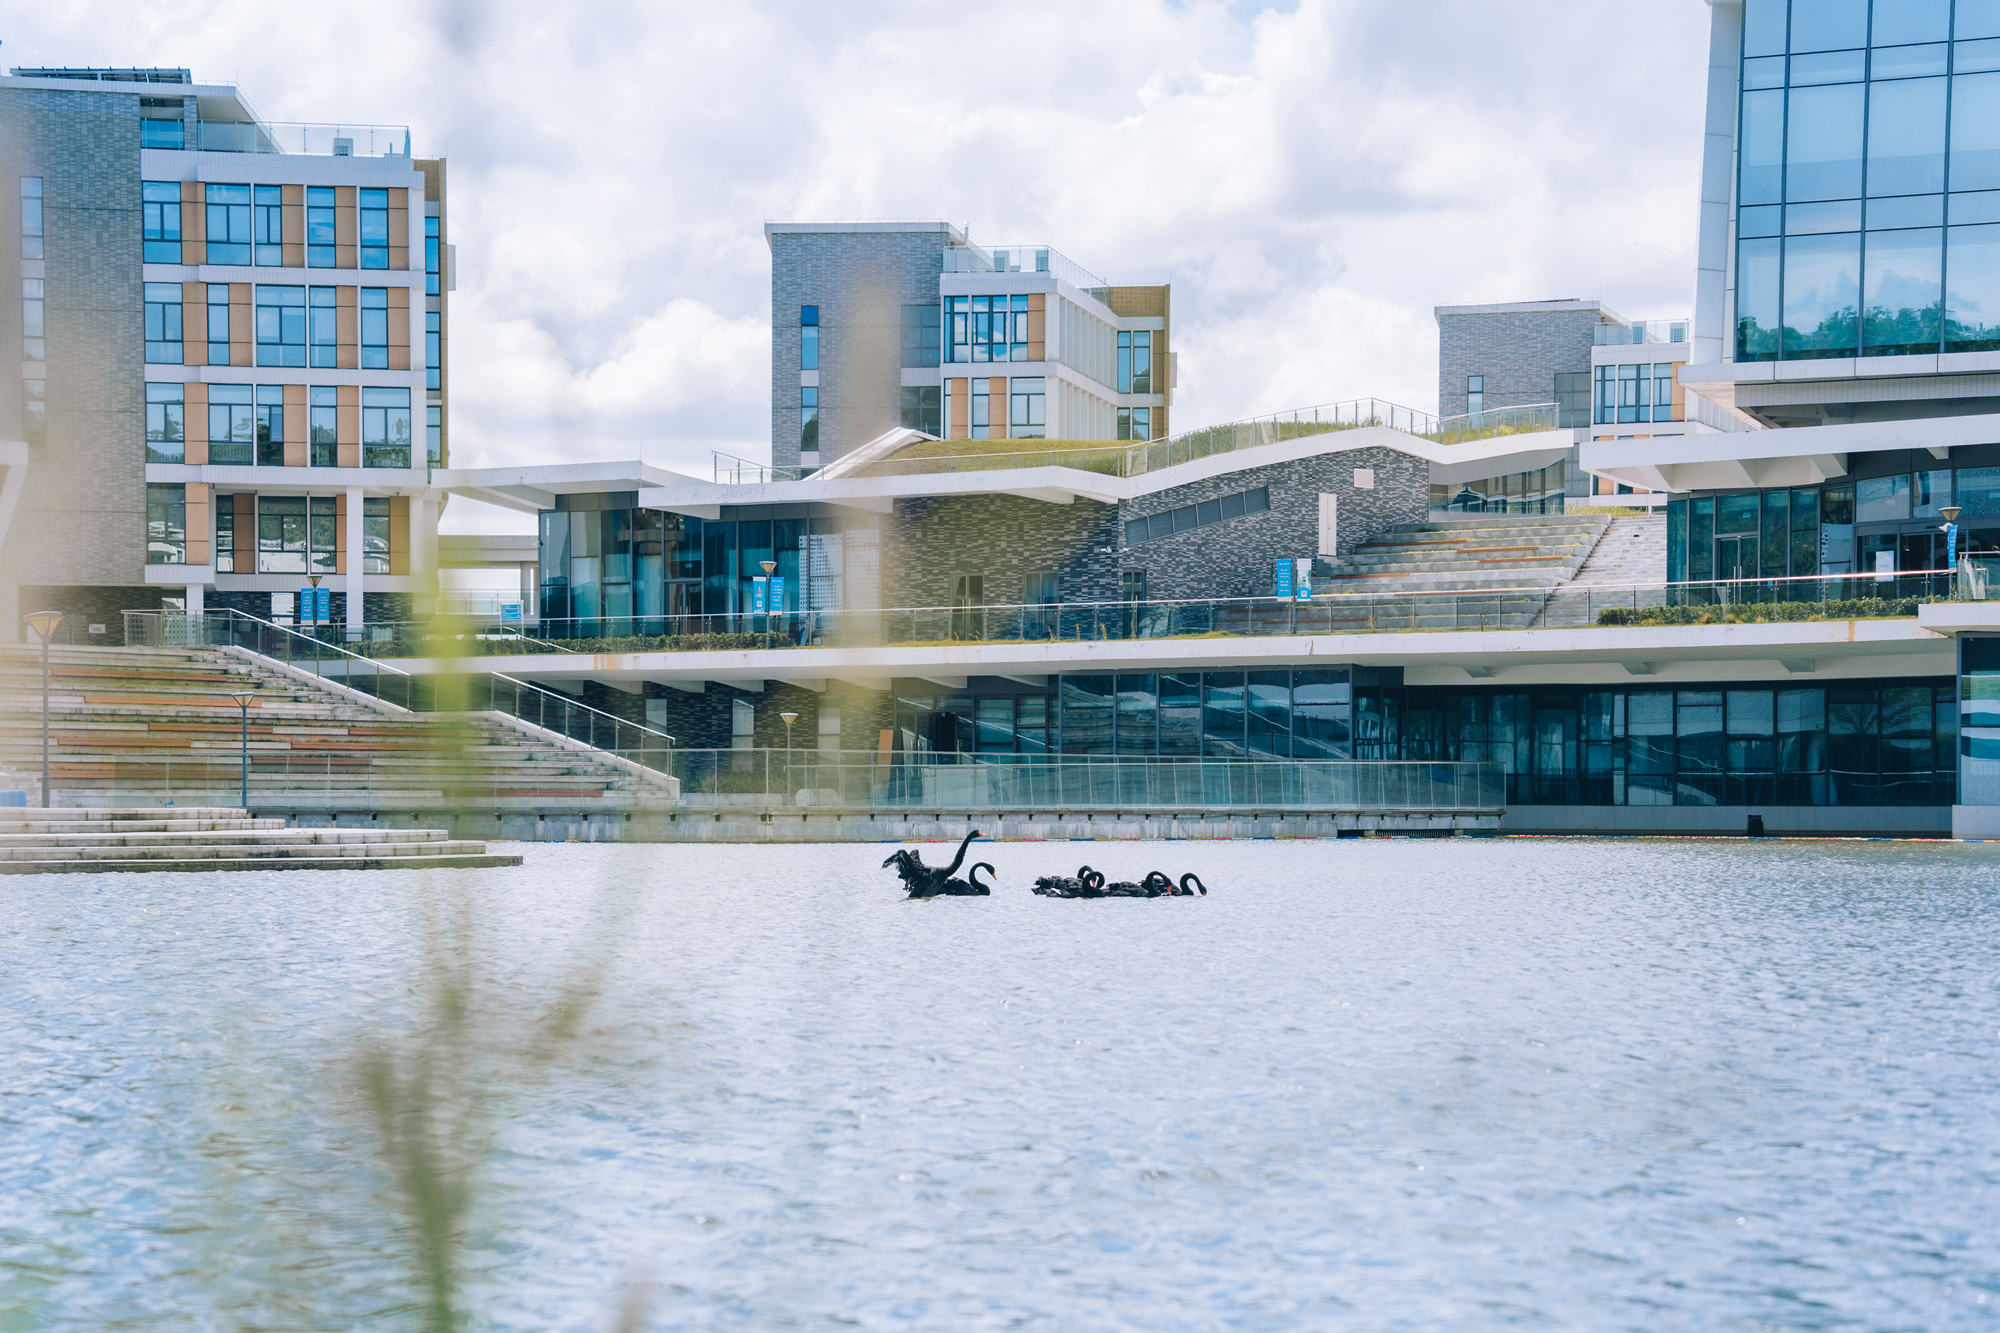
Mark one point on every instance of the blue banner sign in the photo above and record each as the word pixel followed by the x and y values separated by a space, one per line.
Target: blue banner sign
pixel 777 594
pixel 1285 578
pixel 510 613
pixel 759 592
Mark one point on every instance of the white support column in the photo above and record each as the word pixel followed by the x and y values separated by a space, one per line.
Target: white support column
pixel 194 598
pixel 423 550
pixel 528 590
pixel 355 558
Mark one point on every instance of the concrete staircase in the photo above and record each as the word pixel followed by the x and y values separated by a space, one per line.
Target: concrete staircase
pixel 1632 551
pixel 158 727
pixel 1499 571
pixel 68 841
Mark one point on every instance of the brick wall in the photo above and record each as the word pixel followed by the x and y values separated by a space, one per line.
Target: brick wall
pixel 83 607
pixel 860 281
pixel 927 543
pixel 82 514
pixel 1519 352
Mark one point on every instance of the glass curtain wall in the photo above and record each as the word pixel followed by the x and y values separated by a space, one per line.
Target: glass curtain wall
pixel 1868 187
pixel 609 568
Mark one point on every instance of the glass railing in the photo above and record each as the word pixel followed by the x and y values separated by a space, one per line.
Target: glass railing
pixel 219 136
pixel 1021 259
pixel 1646 331
pixel 733 471
pixel 865 780
pixel 1565 606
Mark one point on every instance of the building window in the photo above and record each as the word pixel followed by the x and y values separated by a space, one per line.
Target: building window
pixel 1572 397
pixel 1663 391
pixel 281 534
pixel 166 524
pixel 1605 409
pixel 320 251
pixel 31 217
pixel 989 328
pixel 809 420
pixel 225 534
pixel 431 256
pixel 1635 396
pixel 982 417
pixel 232 430
pixel 218 323
pixel 374 328
pixel 433 352
pixel 157 132
pixel 1027 408
pixel 281 326
pixel 920 335
pixel 161 228
pixel 166 423
pixel 375 535
pixel 808 337
pixel 1475 394
pixel 324 321
pixel 323 425
pixel 1200 515
pixel 374 223
pixel 385 428
pixel 434 436
pixel 1135 423
pixel 921 410
pixel 270 425
pixel 163 323
pixel 228 226
pixel 1131 585
pixel 268 225
pixel 322 534
pixel 34 409
pixel 34 346
pixel 1135 361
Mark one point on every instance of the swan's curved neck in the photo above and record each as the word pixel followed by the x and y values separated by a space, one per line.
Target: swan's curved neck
pixel 959 860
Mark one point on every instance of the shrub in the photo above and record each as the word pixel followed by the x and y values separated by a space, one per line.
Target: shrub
pixel 1753 613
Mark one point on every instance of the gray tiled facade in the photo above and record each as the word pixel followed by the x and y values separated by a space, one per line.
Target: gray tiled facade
pixel 1520 352
pixel 928 543
pixel 81 519
pixel 860 280
pixel 1237 557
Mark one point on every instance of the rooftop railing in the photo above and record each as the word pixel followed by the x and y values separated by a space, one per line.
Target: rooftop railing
pixel 733 471
pixel 1565 606
pixel 223 136
pixel 1021 259
pixel 1645 331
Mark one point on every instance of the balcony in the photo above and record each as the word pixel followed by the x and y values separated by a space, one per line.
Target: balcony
pixel 245 136
pixel 1646 331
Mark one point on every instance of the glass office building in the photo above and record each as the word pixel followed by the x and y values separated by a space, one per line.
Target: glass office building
pixel 1868 178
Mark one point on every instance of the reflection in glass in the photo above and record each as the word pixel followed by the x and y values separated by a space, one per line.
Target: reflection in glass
pixel 1907 62
pixel 1911 21
pixel 1972 289
pixel 1761 148
pixel 1829 25
pixel 1903 310
pixel 1882 499
pixel 1823 143
pixel 1822 295
pixel 1975 132
pixel 1906 137
pixel 1757 315
pixel 1763 27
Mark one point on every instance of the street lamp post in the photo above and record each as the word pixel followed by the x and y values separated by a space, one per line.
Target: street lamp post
pixel 314 579
pixel 243 698
pixel 44 624
pixel 788 718
pixel 769 567
pixel 1950 513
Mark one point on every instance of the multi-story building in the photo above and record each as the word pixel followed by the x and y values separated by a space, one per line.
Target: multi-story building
pixel 887 324
pixel 1635 390
pixel 232 339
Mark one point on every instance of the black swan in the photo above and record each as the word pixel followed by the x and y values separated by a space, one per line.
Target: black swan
pixel 921 880
pixel 1153 886
pixel 969 887
pixel 1183 891
pixel 1086 883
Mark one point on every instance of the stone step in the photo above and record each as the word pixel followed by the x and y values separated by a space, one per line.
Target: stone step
pixel 450 861
pixel 121 836
pixel 223 851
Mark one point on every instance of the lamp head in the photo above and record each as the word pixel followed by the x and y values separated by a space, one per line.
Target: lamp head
pixel 44 623
pixel 1950 513
pixel 314 579
pixel 243 697
pixel 770 567
pixel 789 718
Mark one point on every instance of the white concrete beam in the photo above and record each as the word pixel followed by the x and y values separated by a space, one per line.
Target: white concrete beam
pixel 817 684
pixel 686 686
pixel 1640 668
pixel 945 682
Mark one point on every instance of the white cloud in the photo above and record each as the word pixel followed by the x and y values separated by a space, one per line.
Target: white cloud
pixel 1312 179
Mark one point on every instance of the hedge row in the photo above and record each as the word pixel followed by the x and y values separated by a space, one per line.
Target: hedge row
pixel 1751 613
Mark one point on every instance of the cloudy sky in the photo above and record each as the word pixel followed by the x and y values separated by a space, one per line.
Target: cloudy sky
pixel 1311 177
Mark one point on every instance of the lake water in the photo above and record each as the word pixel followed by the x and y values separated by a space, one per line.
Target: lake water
pixel 1363 1084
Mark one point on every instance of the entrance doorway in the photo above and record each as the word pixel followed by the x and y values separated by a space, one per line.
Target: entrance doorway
pixel 1736 557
